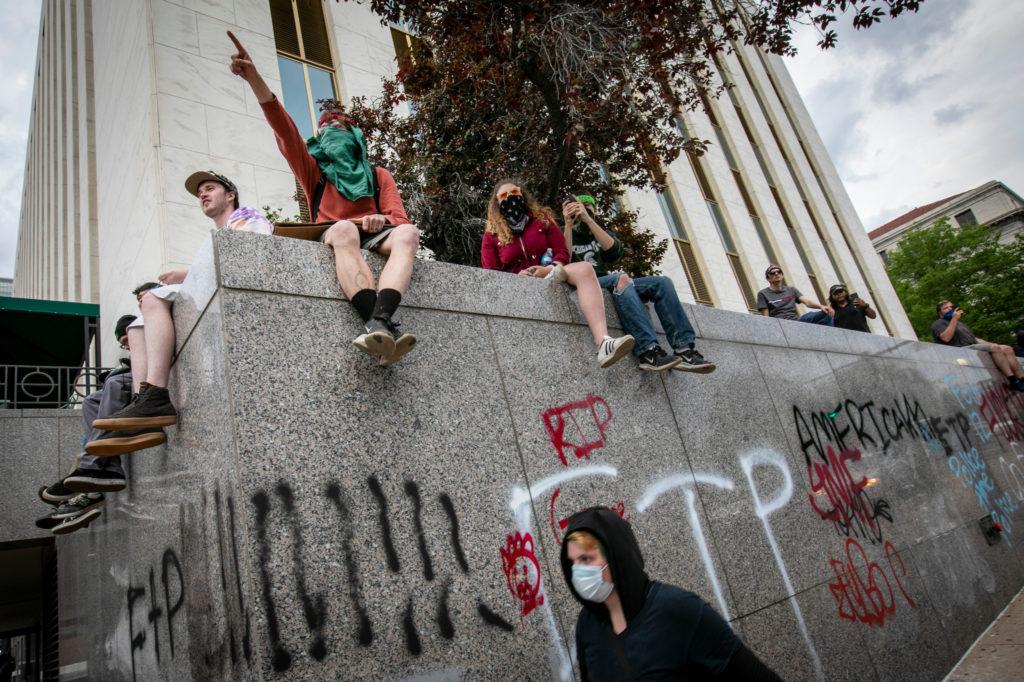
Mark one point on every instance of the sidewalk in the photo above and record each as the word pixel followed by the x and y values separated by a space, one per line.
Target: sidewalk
pixel 999 652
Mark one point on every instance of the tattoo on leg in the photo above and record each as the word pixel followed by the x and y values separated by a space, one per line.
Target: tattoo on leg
pixel 361 281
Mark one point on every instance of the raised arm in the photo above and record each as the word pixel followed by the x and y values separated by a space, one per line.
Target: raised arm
pixel 947 334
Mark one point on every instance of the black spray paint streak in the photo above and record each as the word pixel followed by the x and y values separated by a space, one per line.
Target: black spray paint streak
pixel 413 491
pixel 281 659
pixel 170 559
pixel 444 618
pixel 365 635
pixel 246 641
pixel 139 640
pixel 412 638
pixel 491 618
pixel 385 523
pixel 453 520
pixel 223 577
pixel 154 614
pixel 313 607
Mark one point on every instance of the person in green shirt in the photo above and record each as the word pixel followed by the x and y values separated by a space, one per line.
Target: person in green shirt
pixel 588 241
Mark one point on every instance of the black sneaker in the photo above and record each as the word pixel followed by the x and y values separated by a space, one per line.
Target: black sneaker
pixel 376 340
pixel 81 519
pixel 79 504
pixel 55 493
pixel 657 360
pixel 95 480
pixel 693 361
pixel 150 408
pixel 114 443
pixel 48 522
pixel 403 344
pixel 1016 384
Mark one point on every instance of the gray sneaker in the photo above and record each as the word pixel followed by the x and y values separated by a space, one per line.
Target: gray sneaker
pixel 78 512
pixel 693 361
pixel 376 340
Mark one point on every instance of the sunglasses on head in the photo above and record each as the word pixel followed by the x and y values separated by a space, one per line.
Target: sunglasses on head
pixel 514 192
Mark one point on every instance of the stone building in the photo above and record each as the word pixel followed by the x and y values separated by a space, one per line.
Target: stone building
pixel 132 96
pixel 993 204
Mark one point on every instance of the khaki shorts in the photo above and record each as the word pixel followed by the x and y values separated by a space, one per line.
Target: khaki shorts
pixel 367 240
pixel 986 347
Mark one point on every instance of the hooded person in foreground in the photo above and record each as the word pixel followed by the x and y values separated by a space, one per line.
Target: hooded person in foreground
pixel 635 628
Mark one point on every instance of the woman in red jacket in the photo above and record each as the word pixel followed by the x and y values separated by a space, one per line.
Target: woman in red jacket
pixel 519 233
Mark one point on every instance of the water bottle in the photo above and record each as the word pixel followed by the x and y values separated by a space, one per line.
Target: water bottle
pixel 547 257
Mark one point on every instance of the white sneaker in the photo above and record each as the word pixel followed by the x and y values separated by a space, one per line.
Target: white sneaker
pixel 613 350
pixel 557 273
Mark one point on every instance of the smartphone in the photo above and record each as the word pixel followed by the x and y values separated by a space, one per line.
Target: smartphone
pixel 853 297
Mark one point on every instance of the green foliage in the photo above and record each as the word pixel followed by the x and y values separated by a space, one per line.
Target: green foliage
pixel 276 215
pixel 966 265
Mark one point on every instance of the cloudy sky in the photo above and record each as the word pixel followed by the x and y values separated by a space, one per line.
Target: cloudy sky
pixel 920 108
pixel 911 111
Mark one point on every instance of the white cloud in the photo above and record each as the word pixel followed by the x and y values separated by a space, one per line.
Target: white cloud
pixel 922 107
pixel 17 62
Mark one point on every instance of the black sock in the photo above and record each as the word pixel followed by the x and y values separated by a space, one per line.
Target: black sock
pixel 387 304
pixel 364 301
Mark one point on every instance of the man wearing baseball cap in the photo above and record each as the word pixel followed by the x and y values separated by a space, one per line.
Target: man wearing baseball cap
pixel 588 241
pixel 779 300
pixel 362 202
pixel 850 313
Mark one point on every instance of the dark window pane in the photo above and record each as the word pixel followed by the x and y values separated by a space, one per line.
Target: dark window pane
pixel 296 101
pixel 965 218
pixel 286 38
pixel 672 217
pixel 314 32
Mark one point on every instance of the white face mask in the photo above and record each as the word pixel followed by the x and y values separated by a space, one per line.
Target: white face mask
pixel 590 584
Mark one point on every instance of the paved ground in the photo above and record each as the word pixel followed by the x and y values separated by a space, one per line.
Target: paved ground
pixel 999 654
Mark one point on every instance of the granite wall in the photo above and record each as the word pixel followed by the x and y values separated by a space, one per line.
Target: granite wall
pixel 316 517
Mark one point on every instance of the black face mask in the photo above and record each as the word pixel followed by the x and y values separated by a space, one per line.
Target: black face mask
pixel 513 208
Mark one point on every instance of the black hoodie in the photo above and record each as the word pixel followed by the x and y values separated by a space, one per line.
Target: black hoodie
pixel 670 633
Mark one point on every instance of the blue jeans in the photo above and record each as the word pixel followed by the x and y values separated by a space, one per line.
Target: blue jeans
pixel 630 305
pixel 817 317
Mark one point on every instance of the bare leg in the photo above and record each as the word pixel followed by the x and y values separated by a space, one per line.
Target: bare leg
pixel 400 248
pixel 159 339
pixel 581 275
pixel 1006 361
pixel 137 353
pixel 353 273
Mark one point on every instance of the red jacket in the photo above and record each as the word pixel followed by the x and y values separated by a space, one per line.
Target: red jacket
pixel 526 249
pixel 333 206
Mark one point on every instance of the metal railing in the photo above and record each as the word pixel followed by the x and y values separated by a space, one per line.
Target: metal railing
pixel 47 386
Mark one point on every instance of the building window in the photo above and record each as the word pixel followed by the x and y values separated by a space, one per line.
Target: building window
pixel 698 286
pixel 303 58
pixel 965 218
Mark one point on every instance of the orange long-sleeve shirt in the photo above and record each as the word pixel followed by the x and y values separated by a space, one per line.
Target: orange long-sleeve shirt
pixel 333 206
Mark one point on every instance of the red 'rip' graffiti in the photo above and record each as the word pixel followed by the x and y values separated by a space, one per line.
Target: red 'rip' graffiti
pixel 558 527
pixel 862 602
pixel 522 571
pixel 556 419
pixel 832 479
pixel 1003 410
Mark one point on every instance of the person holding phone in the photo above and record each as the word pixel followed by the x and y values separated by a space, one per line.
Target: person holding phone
pixel 950 331
pixel 852 312
pixel 362 202
pixel 520 235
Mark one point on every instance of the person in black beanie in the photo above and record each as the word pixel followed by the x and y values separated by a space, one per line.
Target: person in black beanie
pixel 635 628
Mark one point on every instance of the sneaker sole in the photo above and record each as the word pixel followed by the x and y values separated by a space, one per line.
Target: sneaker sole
pixel 110 447
pixel 646 367
pixel 52 499
pixel 377 344
pixel 75 522
pixel 48 523
pixel 126 423
pixel 404 344
pixel 84 484
pixel 699 369
pixel 620 352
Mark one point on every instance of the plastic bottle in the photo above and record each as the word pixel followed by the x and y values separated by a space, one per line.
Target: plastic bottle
pixel 547 257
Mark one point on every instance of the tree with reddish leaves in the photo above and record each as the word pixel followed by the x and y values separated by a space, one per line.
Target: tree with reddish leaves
pixel 570 97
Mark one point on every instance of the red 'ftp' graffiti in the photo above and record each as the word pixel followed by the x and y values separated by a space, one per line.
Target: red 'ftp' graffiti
pixel 522 571
pixel 867 602
pixel 851 509
pixel 558 527
pixel 580 415
pixel 1003 410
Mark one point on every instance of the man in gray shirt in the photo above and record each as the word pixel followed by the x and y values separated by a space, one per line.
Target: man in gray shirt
pixel 778 300
pixel 950 331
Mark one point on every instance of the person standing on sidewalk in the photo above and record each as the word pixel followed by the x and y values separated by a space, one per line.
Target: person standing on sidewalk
pixel 589 242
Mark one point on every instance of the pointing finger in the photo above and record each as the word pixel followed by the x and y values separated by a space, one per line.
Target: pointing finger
pixel 238 45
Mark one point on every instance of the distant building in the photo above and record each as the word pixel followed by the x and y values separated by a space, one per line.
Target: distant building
pixel 993 204
pixel 6 286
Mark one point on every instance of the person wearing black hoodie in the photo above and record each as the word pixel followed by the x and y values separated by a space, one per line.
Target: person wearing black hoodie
pixel 635 628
